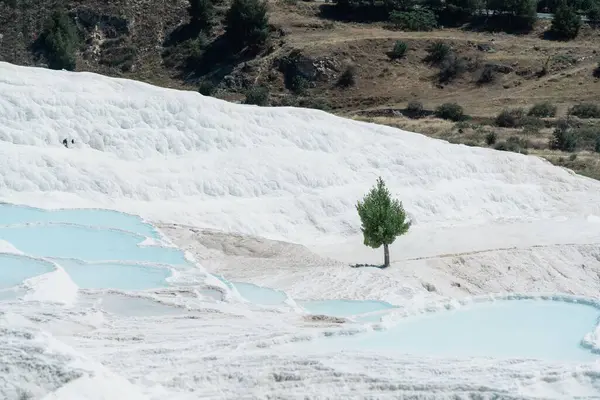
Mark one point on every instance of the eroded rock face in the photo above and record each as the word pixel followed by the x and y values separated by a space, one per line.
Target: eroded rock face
pixel 112 26
pixel 109 38
pixel 297 65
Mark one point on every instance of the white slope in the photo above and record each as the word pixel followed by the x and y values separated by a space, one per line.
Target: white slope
pixel 294 175
pixel 285 173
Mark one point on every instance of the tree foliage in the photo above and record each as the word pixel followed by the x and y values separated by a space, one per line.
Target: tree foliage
pixel 202 14
pixel 247 23
pixel 414 20
pixel 566 22
pixel 59 41
pixel 383 218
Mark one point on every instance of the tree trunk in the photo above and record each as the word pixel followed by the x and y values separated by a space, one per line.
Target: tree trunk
pixel 386 255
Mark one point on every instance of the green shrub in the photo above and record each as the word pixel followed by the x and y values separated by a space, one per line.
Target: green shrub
pixel 585 110
pixel 563 137
pixel 491 138
pixel 414 109
pixel 207 88
pixel 566 22
pixel 316 103
pixel 258 95
pixel 542 110
pixel 247 23
pixel 597 144
pixel 437 52
pixel 399 50
pixel 487 75
pixel 451 68
pixel 531 125
pixel 298 84
pixel 514 144
pixel 347 78
pixel 421 19
pixel 510 118
pixel 60 41
pixel 202 14
pixel 451 111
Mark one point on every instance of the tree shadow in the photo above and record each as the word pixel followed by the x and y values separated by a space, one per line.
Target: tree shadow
pixel 552 36
pixel 181 33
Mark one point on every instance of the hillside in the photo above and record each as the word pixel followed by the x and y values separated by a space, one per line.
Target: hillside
pixel 309 48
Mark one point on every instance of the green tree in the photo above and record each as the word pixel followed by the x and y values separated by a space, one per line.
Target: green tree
pixel 247 23
pixel 521 14
pixel 566 22
pixel 202 13
pixel 414 20
pixel 60 41
pixel 383 219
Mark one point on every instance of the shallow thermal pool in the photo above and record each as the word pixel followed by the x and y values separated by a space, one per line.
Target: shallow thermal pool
pixel 114 276
pixel 11 214
pixel 99 249
pixel 14 269
pixel 538 329
pixel 86 243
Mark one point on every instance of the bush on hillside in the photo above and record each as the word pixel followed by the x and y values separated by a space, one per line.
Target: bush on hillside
pixel 451 68
pixel 510 118
pixel 207 88
pixel 488 75
pixel 566 22
pixel 450 111
pixel 563 137
pixel 60 41
pixel 258 96
pixel 415 109
pixel 585 110
pixel 514 144
pixel 202 14
pixel 399 50
pixel 490 138
pixel 347 78
pixel 437 52
pixel 421 19
pixel 542 110
pixel 247 23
